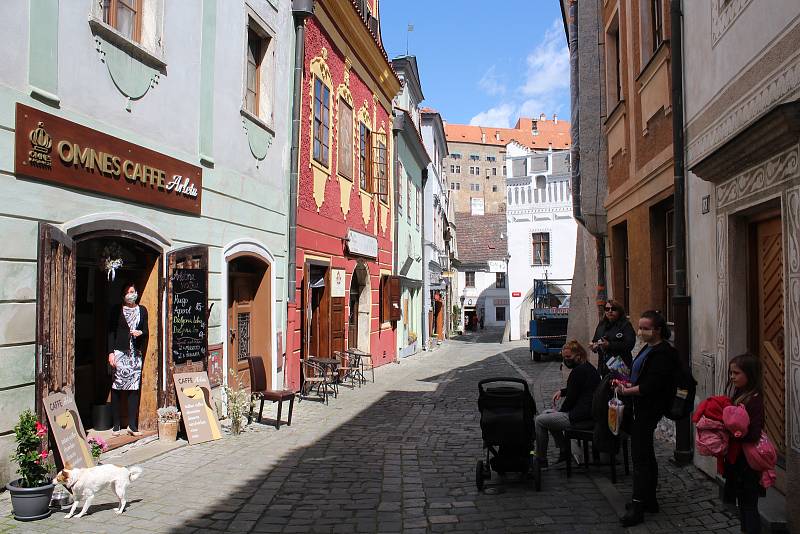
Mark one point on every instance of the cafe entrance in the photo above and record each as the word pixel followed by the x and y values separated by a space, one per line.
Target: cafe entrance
pixel 80 285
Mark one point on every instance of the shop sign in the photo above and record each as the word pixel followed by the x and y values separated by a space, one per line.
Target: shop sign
pixel 448 274
pixel 194 397
pixel 56 150
pixel 516 294
pixel 68 432
pixel 497 266
pixel 189 318
pixel 337 282
pixel 362 244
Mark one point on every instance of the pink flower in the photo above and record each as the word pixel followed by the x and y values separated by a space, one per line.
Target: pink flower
pixel 43 455
pixel 41 430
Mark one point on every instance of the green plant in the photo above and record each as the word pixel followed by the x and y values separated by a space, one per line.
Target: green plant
pixel 240 402
pixel 167 414
pixel 33 464
pixel 98 445
pixel 455 317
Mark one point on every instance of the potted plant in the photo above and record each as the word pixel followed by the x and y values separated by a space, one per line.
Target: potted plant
pixel 31 493
pixel 98 445
pixel 169 419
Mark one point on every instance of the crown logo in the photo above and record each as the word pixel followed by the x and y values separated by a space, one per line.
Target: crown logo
pixel 42 145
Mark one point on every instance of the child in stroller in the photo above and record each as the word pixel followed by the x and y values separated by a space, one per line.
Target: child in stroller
pixel 507 426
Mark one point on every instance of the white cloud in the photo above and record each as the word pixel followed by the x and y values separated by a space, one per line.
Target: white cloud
pixel 543 89
pixel 491 84
pixel 499 117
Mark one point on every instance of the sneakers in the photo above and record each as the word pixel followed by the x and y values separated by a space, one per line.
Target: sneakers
pixel 116 432
pixel 134 432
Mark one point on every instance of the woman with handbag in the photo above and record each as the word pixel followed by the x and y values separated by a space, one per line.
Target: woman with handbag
pixel 614 336
pixel 651 389
pixel 127 335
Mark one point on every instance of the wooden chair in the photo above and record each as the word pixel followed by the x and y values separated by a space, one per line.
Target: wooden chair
pixel 583 432
pixel 350 367
pixel 258 387
pixel 367 365
pixel 314 376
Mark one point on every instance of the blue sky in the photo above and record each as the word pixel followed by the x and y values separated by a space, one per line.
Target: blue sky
pixel 484 62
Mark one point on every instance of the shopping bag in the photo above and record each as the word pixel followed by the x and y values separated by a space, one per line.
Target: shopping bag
pixel 615 411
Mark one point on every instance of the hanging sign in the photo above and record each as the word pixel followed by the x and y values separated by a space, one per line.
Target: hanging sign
pixel 496 266
pixel 362 244
pixel 337 282
pixel 53 149
pixel 194 397
pixel 189 317
pixel 68 432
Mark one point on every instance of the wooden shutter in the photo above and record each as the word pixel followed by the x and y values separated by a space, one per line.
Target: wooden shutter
pixel 194 257
pixel 390 298
pixel 55 320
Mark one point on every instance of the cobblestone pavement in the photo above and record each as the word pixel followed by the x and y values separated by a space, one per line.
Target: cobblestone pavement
pixel 394 456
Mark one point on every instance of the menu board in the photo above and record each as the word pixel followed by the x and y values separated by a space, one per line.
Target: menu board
pixel 189 317
pixel 68 432
pixel 194 397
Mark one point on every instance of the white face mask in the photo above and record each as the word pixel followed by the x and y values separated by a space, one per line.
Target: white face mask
pixel 645 335
pixel 130 298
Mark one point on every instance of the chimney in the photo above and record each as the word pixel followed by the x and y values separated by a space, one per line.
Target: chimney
pixel 483 137
pixel 555 118
pixel 542 117
pixel 534 127
pixel 497 136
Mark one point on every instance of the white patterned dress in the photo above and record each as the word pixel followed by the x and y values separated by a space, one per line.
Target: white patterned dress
pixel 128 364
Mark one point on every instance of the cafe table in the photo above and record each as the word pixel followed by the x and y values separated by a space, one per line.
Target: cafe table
pixel 330 368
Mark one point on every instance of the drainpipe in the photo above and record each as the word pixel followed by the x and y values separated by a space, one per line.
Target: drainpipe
pixel 681 300
pixel 301 10
pixel 575 156
pixel 397 125
pixel 423 331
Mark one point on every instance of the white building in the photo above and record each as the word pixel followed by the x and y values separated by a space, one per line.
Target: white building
pixel 541 230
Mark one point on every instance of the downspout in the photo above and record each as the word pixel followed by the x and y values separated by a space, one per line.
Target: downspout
pixel 397 125
pixel 423 331
pixel 681 300
pixel 301 10
pixel 575 156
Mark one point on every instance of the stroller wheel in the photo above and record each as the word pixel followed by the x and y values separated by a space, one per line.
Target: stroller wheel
pixel 537 356
pixel 479 475
pixel 536 474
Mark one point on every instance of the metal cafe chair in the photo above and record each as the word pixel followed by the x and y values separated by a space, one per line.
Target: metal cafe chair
pixel 314 376
pixel 351 368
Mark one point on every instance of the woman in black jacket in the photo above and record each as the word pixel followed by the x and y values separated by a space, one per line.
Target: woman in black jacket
pixel 127 336
pixel 651 388
pixel 614 336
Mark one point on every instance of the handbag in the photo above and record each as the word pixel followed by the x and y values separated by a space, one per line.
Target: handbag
pixel 615 411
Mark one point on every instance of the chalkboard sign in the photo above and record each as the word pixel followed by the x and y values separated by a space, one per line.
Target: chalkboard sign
pixel 189 317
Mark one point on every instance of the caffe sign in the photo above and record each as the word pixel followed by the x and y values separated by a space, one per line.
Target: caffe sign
pixel 53 149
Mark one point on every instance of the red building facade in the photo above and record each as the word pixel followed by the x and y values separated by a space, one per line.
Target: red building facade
pixel 344 206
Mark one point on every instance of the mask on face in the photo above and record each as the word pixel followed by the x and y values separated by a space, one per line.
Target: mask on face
pixel 130 298
pixel 645 335
pixel 569 364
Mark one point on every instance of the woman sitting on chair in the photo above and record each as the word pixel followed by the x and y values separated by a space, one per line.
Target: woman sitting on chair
pixel 577 404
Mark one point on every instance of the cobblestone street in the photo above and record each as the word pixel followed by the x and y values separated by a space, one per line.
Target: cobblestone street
pixel 394 456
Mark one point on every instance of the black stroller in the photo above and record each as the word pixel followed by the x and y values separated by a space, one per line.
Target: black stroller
pixel 507 412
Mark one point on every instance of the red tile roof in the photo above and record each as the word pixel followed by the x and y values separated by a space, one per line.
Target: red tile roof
pixel 481 237
pixel 549 132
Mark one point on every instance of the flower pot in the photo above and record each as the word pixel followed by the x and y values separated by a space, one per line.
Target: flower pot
pixel 30 504
pixel 168 430
pixel 102 416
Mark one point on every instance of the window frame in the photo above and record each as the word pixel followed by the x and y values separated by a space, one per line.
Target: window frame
pixel 318 123
pixel 365 178
pixel 545 244
pixel 656 24
pixel 109 16
pixel 498 312
pixel 254 35
pixel 500 281
pixel 467 276
pixel 381 171
pixel 346 131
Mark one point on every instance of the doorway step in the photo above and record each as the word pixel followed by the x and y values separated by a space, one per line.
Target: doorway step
pixel 141 449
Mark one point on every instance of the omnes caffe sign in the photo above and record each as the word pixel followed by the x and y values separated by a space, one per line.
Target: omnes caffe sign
pixel 56 150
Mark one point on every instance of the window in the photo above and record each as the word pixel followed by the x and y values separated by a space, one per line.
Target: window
pixel 458 169
pixel 321 121
pixel 364 157
pixel 345 142
pixel 657 23
pixel 419 207
pixel 455 155
pixel 494 189
pixel 125 16
pixel 455 186
pixel 474 157
pixel 255 54
pixel 474 187
pixel 541 248
pixel 400 174
pixel 408 213
pixel 494 171
pixel 381 171
pixel 469 279
pixel 452 169
pixel 500 313
pixel 504 170
pixel 500 280
pixel 613 64
pixel 491 158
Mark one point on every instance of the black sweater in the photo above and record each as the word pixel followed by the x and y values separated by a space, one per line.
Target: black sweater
pixel 119 333
pixel 582 382
pixel 656 382
pixel 621 339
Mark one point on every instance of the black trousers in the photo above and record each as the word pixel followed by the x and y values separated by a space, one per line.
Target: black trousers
pixel 133 407
pixel 643 454
pixel 743 484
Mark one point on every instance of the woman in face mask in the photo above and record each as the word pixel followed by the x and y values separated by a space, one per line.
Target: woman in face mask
pixel 577 405
pixel 651 389
pixel 127 335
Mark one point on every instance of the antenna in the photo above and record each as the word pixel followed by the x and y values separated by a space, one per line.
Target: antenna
pixel 410 29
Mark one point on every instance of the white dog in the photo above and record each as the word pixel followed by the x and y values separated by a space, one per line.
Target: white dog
pixel 85 483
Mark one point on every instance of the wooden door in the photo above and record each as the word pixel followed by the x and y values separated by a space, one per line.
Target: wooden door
pixel 241 320
pixel 195 257
pixel 767 335
pixel 352 329
pixel 151 297
pixel 317 313
pixel 55 320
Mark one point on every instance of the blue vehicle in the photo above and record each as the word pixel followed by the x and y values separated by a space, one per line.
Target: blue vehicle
pixel 549 316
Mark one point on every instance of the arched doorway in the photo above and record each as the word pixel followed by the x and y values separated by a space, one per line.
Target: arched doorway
pixel 358 332
pixel 249 317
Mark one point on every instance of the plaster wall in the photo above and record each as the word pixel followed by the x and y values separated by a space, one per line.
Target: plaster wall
pixel 484 296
